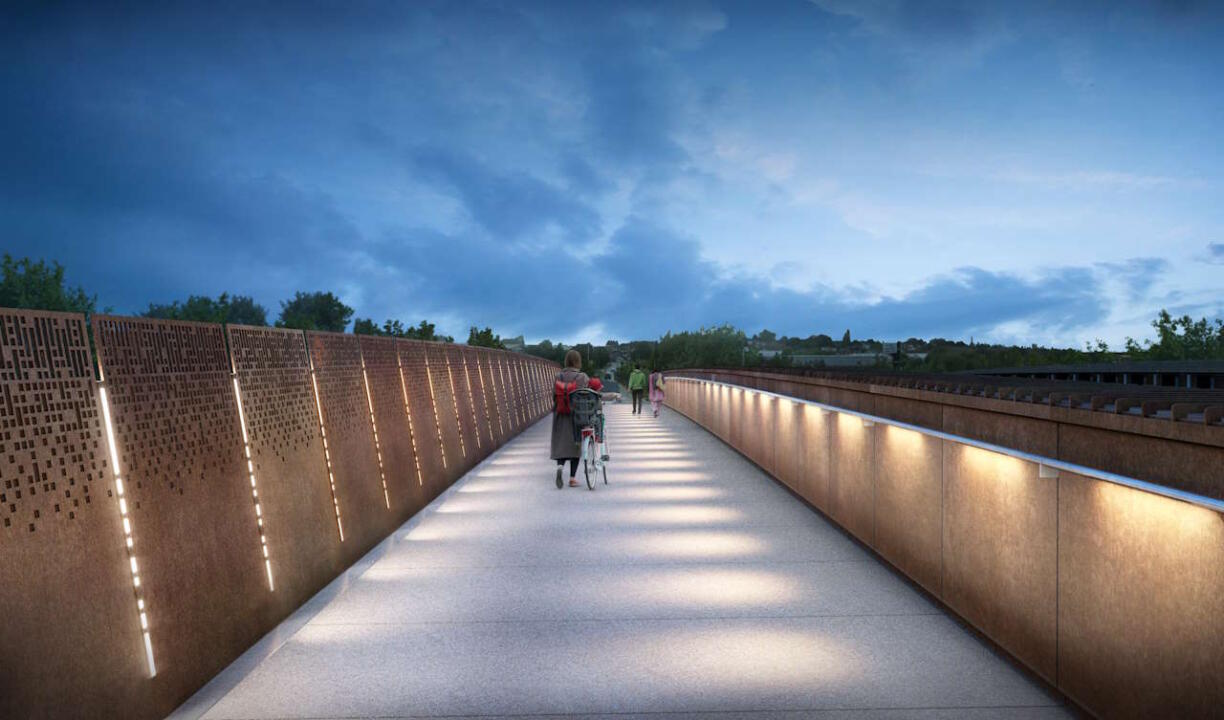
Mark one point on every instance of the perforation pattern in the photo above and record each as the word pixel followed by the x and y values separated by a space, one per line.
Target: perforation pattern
pixel 343 397
pixel 492 402
pixel 480 407
pixel 348 434
pixel 462 383
pixel 276 397
pixel 388 396
pixel 187 488
pixel 417 388
pixel 172 405
pixel 444 402
pixel 52 459
pixel 299 508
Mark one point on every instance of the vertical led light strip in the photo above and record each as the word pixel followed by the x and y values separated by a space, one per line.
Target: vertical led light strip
pixel 484 394
pixel 455 404
pixel 331 478
pixel 434 402
pixel 127 533
pixel 520 411
pixel 467 375
pixel 501 430
pixel 501 374
pixel 416 459
pixel 246 449
pixel 374 426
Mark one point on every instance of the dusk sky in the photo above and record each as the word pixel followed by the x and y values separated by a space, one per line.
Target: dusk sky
pixel 1021 172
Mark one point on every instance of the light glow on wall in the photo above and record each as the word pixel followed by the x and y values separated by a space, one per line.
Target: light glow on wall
pixel 507 401
pixel 246 450
pixel 450 376
pixel 484 394
pixel 331 478
pixel 467 376
pixel 128 540
pixel 382 475
pixel 908 441
pixel 434 404
pixel 416 460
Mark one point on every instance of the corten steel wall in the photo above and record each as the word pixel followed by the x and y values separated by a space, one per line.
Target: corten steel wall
pixel 296 504
pixel 489 383
pixel 453 448
pixel 425 428
pixel 348 436
pixel 64 651
pixel 397 437
pixel 217 516
pixel 462 383
pixel 1181 455
pixel 179 440
pixel 480 404
pixel 1109 592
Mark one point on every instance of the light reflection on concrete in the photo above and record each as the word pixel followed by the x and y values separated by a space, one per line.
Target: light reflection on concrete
pixel 695 544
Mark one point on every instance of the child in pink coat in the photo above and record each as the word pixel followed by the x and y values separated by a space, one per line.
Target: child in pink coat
pixel 655 385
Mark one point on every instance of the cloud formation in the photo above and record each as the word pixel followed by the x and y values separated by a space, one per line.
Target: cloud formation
pixel 897 168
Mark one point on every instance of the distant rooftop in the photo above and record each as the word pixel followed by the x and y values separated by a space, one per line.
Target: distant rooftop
pixel 1141 366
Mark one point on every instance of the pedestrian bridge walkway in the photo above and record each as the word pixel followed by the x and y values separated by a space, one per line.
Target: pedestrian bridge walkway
pixel 692 585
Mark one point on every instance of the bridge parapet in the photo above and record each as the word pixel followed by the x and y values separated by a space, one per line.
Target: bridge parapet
pixel 1108 587
pixel 159 517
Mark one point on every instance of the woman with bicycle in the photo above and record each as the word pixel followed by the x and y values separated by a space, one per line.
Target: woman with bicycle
pixel 565 441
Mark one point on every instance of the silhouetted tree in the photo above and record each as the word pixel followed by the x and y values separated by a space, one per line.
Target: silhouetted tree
pixel 314 311
pixel 38 286
pixel 1181 338
pixel 239 310
pixel 395 328
pixel 485 338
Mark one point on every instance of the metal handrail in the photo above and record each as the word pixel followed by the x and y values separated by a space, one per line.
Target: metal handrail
pixel 1143 485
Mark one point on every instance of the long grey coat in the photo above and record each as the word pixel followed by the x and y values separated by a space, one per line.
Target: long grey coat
pixel 564 446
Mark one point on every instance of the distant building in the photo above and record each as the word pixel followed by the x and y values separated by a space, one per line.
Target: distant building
pixel 847 360
pixel 515 344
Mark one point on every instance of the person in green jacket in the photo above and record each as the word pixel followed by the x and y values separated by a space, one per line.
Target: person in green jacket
pixel 637 386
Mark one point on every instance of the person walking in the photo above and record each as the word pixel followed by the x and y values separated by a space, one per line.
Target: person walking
pixel 565 442
pixel 637 385
pixel 656 391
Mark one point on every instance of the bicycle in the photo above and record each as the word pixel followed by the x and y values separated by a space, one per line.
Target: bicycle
pixel 587 409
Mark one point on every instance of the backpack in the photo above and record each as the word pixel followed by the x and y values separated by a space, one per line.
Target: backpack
pixel 561 391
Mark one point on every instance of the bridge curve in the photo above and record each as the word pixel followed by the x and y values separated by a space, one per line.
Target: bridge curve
pixel 692 584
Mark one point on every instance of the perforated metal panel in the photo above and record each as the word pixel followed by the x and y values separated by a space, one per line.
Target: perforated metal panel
pixel 63 651
pixel 189 500
pixel 424 418
pixel 282 425
pixel 480 403
pixel 396 432
pixel 492 405
pixel 505 395
pixel 444 405
pixel 462 380
pixel 336 359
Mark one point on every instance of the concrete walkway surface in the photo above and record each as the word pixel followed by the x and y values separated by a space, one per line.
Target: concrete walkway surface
pixel 691 586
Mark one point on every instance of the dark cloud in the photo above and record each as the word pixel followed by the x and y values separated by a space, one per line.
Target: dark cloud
pixel 507 205
pixel 165 150
pixel 1215 252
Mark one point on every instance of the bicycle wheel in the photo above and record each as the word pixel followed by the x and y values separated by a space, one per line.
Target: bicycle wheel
pixel 587 463
pixel 601 455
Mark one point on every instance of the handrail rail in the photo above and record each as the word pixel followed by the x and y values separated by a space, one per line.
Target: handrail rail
pixel 1134 483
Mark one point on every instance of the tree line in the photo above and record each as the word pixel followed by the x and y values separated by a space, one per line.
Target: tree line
pixel 25 283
